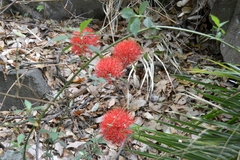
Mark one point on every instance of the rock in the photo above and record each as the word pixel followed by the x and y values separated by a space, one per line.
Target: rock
pixel 229 10
pixel 59 9
pixel 11 155
pixel 33 86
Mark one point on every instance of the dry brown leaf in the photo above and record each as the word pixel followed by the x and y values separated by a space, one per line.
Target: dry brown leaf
pixel 32 151
pixel 111 102
pixel 182 3
pixel 59 148
pixel 78 79
pixel 148 115
pixel 2 31
pixel 93 90
pixel 75 144
pixel 161 86
pixel 89 130
pixel 136 104
pixel 77 113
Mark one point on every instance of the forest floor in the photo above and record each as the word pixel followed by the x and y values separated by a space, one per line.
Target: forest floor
pixel 147 92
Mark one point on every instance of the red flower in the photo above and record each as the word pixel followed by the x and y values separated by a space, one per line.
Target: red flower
pixel 115 126
pixel 109 67
pixel 81 41
pixel 127 51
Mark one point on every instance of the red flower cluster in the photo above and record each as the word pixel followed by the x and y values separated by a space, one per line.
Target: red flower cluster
pixel 115 126
pixel 127 51
pixel 109 67
pixel 81 41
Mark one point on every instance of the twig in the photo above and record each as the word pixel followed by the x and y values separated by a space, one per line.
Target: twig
pixel 2 146
pixel 28 98
pixel 34 34
pixel 120 149
pixel 8 6
pixel 9 90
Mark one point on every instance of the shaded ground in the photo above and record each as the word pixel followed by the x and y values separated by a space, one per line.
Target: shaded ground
pixel 148 92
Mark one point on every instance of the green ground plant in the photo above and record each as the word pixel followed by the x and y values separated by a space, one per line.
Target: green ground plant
pixel 215 140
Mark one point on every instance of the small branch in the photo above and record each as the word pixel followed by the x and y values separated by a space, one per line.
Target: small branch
pixel 27 98
pixel 120 149
pixel 15 1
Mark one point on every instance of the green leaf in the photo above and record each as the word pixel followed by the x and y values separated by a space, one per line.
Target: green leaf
pixel 142 7
pixel 135 26
pixel 215 20
pixel 31 120
pixel 66 48
pixel 148 22
pixel 28 104
pixel 37 108
pixel 60 38
pixel 19 34
pixel 97 80
pixel 95 107
pixel 127 13
pixel 40 8
pixel 85 23
pixel 218 35
pixel 43 131
pixel 17 111
pixel 20 138
pixel 223 23
pixel 94 49
pixel 222 30
pixel 54 135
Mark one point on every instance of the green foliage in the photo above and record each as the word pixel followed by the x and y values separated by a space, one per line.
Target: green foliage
pixel 53 135
pixel 214 139
pixel 20 139
pixel 18 145
pixel 127 13
pixel 97 80
pixel 134 24
pixel 40 8
pixel 95 50
pixel 142 7
pixel 218 26
pixel 92 149
pixel 60 38
pixel 84 24
pixel 28 105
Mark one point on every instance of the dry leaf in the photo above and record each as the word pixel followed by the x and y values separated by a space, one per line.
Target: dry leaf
pixel 78 79
pixel 59 148
pixel 136 104
pixel 32 151
pixel 77 113
pixel 75 144
pixel 182 3
pixel 111 102
pixel 89 130
pixel 148 115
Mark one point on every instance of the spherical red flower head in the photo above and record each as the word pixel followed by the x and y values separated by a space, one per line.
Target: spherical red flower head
pixel 81 41
pixel 115 126
pixel 109 67
pixel 127 51
pixel 89 38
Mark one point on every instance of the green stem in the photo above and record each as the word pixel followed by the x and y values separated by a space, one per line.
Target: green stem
pixel 198 33
pixel 68 83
